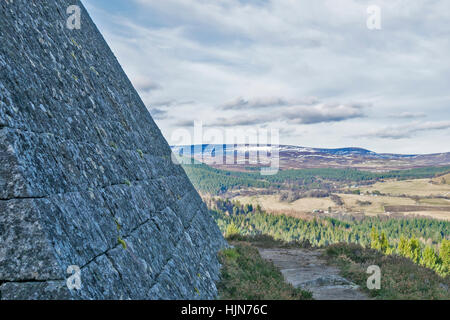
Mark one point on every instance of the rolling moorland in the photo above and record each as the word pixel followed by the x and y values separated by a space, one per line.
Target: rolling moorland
pixel 295 157
pixel 423 191
pixel 400 215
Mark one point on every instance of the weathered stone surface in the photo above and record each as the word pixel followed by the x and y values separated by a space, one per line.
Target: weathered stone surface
pixel 46 290
pixel 86 177
pixel 307 269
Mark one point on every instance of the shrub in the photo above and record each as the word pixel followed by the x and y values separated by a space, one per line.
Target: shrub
pixel 401 278
pixel 247 276
pixel 231 231
pixel 444 255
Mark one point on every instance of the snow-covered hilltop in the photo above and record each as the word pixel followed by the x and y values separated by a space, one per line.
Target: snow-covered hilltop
pixel 307 157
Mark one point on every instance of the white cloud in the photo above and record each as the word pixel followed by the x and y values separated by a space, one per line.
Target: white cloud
pixel 324 112
pixel 407 130
pixel 280 51
pixel 144 84
pixel 408 115
pixel 265 102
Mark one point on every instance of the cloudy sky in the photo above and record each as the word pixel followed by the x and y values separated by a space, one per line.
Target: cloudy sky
pixel 312 69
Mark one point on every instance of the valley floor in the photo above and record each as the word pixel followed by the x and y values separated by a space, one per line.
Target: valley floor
pixel 369 205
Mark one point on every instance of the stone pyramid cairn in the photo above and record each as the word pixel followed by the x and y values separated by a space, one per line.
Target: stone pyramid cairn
pixel 91 204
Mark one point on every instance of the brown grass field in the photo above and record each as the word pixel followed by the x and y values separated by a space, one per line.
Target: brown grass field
pixel 366 204
pixel 415 208
pixel 272 203
pixel 417 187
pixel 445 179
pixel 418 197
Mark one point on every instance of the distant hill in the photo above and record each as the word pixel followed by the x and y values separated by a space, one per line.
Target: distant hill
pixel 297 157
pixel 444 179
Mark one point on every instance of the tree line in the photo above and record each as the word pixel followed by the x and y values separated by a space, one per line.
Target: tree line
pixel 215 181
pixel 388 235
pixel 412 248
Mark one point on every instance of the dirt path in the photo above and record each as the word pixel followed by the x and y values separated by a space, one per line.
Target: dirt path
pixel 307 269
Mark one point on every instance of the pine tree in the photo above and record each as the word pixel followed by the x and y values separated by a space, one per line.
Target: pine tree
pixel 379 241
pixel 390 250
pixel 384 243
pixel 374 239
pixel 414 251
pixel 403 246
pixel 444 255
pixel 429 258
pixel 232 230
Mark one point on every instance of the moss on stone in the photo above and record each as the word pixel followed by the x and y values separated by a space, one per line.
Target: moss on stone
pixel 122 242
